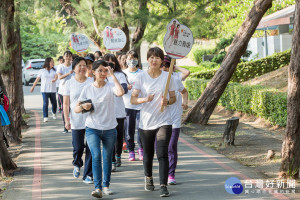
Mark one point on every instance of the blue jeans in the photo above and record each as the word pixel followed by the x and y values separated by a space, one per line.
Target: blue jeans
pixel 94 138
pixel 132 122
pixel 52 97
pixel 78 148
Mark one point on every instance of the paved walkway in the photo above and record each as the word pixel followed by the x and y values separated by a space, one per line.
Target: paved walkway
pixel 46 168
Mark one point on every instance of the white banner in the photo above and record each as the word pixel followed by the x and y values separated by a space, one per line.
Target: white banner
pixel 79 42
pixel 178 40
pixel 114 39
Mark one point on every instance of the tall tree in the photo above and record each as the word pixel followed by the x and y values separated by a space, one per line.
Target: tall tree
pixel 207 102
pixel 9 51
pixel 291 144
pixel 71 10
pixel 10 67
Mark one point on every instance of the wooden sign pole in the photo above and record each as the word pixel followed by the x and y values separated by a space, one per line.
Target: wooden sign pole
pixel 168 81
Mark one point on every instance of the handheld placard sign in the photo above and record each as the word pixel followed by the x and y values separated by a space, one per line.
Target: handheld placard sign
pixel 178 42
pixel 79 42
pixel 114 39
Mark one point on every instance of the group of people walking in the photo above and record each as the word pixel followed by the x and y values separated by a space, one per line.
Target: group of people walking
pixel 104 102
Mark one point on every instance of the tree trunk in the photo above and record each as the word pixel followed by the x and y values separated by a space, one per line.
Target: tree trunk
pixel 207 102
pixel 141 26
pixel 11 71
pixel 117 11
pixel 291 144
pixel 229 132
pixel 7 165
pixel 94 36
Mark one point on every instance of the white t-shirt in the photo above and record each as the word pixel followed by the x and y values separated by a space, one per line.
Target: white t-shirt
pixel 150 116
pixel 126 97
pixel 103 117
pixel 46 80
pixel 73 89
pixel 119 103
pixel 176 108
pixel 63 70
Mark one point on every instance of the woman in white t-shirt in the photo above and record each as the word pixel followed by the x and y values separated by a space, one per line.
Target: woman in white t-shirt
pixel 48 76
pixel 75 121
pixel 153 122
pixel 176 114
pixel 64 72
pixel 132 111
pixel 100 122
pixel 112 60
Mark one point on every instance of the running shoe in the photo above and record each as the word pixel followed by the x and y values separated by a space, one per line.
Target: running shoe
pixel 107 191
pixel 88 180
pixel 46 119
pixel 65 131
pixel 76 172
pixel 164 191
pixel 97 193
pixel 119 162
pixel 171 180
pixel 54 116
pixel 149 186
pixel 114 167
pixel 131 156
pixel 141 153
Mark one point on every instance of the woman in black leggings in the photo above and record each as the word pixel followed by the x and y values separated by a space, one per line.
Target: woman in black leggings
pixel 153 122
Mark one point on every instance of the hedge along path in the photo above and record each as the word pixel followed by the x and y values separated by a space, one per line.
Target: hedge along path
pixel 261 101
pixel 252 69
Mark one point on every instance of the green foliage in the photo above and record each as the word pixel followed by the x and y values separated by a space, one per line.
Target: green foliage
pixel 252 69
pixel 260 101
pixel 204 66
pixel 44 32
pixel 219 58
pixel 248 70
pixel 199 52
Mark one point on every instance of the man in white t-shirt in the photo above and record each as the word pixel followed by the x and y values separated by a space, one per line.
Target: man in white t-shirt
pixel 64 72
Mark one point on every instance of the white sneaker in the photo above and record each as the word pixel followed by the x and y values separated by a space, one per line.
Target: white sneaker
pixel 106 191
pixel 46 119
pixel 53 116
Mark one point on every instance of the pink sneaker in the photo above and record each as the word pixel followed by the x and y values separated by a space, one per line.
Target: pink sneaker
pixel 171 180
pixel 141 153
pixel 131 156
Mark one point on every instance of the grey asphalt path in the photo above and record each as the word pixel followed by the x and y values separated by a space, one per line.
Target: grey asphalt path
pixel 201 172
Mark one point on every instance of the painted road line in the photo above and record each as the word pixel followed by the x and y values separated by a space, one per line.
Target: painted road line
pixel 37 174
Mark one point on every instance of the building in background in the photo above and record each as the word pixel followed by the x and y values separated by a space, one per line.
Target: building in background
pixel 281 23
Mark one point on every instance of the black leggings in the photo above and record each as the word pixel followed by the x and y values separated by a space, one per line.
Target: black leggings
pixel 163 135
pixel 119 141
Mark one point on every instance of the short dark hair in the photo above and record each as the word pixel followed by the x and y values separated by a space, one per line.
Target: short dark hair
pixel 155 51
pixel 68 53
pixel 76 61
pixel 97 63
pixel 60 57
pixel 133 53
pixel 98 52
